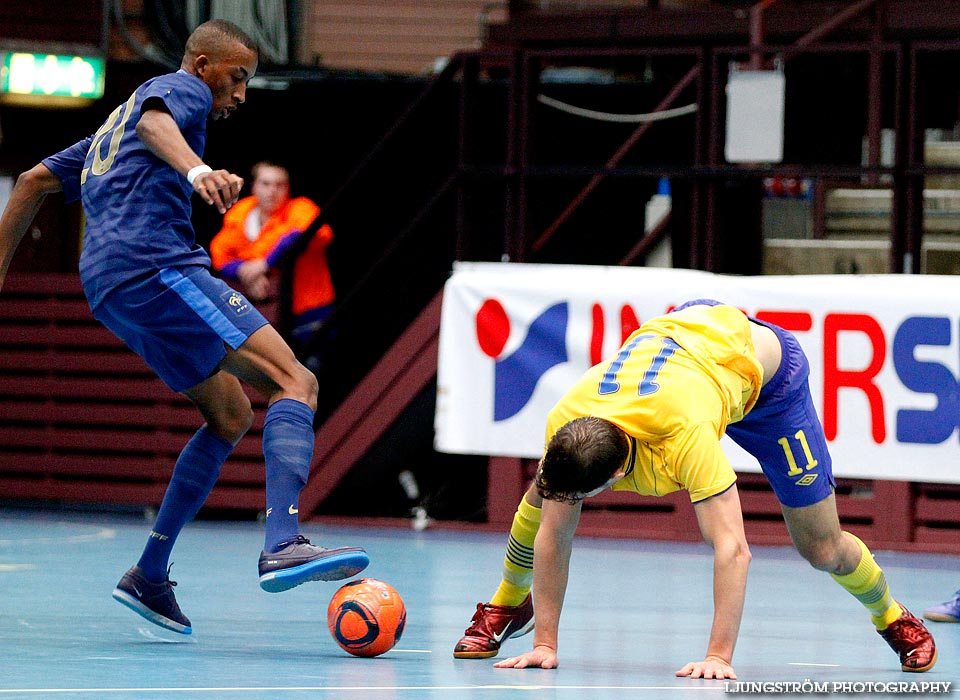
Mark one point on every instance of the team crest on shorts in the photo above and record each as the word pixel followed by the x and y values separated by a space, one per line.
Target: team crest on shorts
pixel 235 301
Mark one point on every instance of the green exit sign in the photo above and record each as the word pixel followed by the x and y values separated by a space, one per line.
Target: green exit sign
pixel 37 79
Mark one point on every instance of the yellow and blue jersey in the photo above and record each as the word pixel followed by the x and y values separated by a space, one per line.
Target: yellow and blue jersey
pixel 673 387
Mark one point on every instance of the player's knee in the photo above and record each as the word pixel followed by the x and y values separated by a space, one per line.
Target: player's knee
pixel 243 420
pixel 233 419
pixel 823 555
pixel 304 386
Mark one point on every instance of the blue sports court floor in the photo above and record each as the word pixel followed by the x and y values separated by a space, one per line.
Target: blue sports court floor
pixel 635 612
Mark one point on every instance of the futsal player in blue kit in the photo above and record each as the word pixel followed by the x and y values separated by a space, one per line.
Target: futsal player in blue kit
pixel 148 281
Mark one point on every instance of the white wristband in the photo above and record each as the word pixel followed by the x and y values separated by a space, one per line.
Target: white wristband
pixel 197 170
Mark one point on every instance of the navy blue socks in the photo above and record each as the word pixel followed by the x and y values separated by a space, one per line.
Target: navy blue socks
pixel 288 450
pixel 194 475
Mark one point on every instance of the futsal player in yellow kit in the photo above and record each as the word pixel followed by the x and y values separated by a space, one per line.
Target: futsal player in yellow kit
pixel 650 420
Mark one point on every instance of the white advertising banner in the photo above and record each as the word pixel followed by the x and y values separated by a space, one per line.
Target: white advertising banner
pixel 884 353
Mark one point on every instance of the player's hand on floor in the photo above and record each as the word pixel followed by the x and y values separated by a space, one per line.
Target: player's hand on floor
pixel 540 657
pixel 710 667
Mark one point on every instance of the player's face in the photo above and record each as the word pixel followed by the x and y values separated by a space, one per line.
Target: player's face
pixel 271 187
pixel 227 76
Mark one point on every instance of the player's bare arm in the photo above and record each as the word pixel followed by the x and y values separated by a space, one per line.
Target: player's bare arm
pixel 721 523
pixel 160 133
pixel 28 194
pixel 551 567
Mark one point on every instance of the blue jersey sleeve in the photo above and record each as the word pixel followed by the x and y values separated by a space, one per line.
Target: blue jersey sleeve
pixel 188 101
pixel 68 166
pixel 137 206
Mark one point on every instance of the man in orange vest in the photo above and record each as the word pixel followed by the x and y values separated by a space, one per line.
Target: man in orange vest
pixel 256 232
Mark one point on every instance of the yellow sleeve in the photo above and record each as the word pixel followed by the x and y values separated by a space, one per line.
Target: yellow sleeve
pixel 702 467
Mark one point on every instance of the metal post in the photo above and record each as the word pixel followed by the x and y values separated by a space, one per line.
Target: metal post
pixel 875 93
pixel 758 33
pixel 512 155
pixel 465 154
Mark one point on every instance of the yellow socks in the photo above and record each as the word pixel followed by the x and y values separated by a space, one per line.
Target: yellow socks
pixel 518 564
pixel 867 584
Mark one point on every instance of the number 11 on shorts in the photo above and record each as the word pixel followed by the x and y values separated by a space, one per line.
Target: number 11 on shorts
pixel 788 452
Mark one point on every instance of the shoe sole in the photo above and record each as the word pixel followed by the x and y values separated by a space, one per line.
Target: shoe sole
pixel 475 654
pixel 922 669
pixel 334 568
pixel 940 617
pixel 146 613
pixel 527 628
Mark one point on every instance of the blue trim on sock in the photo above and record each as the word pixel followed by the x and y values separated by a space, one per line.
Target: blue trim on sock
pixel 296 409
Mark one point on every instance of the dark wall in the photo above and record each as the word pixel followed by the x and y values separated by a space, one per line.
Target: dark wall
pixel 77 21
pixel 324 125
pixel 320 129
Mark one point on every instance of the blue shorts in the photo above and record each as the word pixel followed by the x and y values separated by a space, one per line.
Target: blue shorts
pixel 784 432
pixel 178 320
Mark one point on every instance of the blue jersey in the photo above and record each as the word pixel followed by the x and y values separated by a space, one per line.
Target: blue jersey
pixel 137 206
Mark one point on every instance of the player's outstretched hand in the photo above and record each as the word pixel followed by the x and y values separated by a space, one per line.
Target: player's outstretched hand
pixel 540 657
pixel 710 667
pixel 220 188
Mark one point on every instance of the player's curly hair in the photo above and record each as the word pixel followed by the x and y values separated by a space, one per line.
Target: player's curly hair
pixel 579 458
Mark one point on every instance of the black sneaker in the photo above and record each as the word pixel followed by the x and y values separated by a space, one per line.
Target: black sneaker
pixel 153 601
pixel 298 561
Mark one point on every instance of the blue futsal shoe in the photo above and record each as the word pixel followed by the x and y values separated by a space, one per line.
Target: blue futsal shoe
pixel 945 612
pixel 298 561
pixel 152 601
